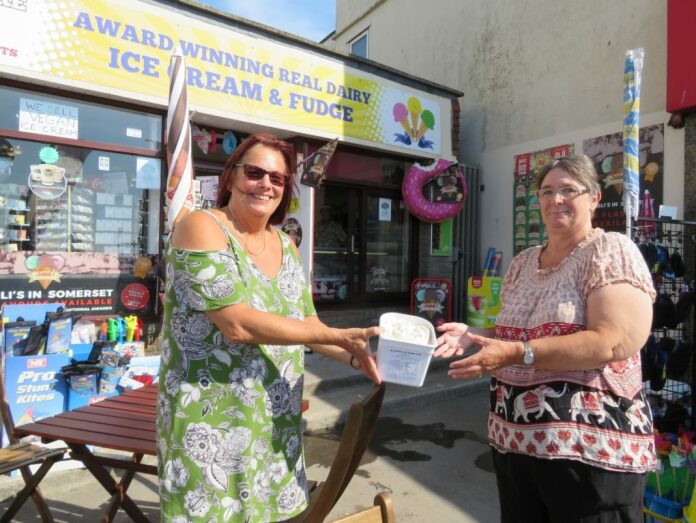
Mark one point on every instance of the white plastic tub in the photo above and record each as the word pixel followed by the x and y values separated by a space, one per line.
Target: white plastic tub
pixel 405 348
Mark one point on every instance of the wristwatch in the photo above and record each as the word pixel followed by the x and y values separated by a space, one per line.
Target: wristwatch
pixel 528 357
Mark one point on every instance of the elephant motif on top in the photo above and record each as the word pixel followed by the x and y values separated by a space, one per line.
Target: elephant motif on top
pixel 584 403
pixel 501 394
pixel 636 417
pixel 534 400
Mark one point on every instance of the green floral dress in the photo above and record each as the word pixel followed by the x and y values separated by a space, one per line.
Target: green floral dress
pixel 229 414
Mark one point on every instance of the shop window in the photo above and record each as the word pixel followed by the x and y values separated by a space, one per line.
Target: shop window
pixel 358 47
pixel 70 199
pixel 43 114
pixel 362 239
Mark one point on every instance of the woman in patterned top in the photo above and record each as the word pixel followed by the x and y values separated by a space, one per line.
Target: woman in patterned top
pixel 237 313
pixel 569 425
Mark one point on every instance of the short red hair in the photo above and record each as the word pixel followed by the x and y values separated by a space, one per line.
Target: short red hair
pixel 288 153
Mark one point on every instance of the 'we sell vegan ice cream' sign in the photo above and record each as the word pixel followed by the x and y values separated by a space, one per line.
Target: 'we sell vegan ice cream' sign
pixel 124 47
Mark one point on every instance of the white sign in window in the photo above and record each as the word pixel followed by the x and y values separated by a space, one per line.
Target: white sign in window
pixel 385 207
pixel 48 118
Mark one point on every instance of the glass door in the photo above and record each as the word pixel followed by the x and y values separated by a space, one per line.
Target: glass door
pixel 361 244
pixel 333 244
pixel 387 235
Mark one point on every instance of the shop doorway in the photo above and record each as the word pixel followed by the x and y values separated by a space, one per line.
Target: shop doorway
pixel 362 243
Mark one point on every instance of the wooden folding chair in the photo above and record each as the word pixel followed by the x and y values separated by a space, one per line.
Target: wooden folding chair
pixel 19 455
pixel 381 512
pixel 360 425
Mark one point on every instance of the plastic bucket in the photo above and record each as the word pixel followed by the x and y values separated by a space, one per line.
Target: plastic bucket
pixel 663 507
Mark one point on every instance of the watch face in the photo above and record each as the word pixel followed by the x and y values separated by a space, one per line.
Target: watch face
pixel 528 357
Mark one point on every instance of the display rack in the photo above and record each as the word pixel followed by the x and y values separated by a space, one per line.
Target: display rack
pixel 669 372
pixel 15 232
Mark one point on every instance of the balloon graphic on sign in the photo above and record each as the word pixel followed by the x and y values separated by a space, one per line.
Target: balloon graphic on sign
pixel 142 266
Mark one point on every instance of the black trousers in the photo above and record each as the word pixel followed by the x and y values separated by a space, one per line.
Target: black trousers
pixel 533 490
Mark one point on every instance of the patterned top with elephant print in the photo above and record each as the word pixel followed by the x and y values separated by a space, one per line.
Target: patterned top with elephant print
pixel 599 416
pixel 229 417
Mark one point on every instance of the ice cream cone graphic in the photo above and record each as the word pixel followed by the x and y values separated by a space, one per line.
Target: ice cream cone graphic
pixel 401 116
pixel 427 122
pixel 44 269
pixel 414 108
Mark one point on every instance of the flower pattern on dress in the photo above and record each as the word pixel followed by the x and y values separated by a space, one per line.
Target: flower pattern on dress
pixel 196 502
pixel 224 407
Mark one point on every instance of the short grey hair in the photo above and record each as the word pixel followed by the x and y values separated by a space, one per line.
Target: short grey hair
pixel 579 167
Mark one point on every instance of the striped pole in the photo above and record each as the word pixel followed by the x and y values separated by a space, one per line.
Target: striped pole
pixel 177 138
pixel 631 134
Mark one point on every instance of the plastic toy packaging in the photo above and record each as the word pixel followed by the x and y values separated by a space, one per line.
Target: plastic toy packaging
pixel 15 333
pixel 59 335
pixel 84 331
pixel 140 372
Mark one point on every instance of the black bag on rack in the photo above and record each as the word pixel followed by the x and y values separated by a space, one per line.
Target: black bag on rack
pixel 678 362
pixel 649 252
pixel 664 315
pixel 683 307
pixel 653 361
pixel 677 264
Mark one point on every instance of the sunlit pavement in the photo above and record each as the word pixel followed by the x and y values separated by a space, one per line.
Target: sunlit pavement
pixel 433 460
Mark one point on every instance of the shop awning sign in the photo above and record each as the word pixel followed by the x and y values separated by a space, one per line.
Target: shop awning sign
pixel 123 47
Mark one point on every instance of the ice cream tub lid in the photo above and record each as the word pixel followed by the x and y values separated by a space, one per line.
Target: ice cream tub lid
pixel 407 328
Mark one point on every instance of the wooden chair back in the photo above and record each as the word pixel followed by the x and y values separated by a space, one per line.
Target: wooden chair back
pixel 7 420
pixel 381 512
pixel 360 424
pixel 20 456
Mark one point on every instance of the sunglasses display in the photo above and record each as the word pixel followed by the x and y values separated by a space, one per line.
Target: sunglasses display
pixel 256 173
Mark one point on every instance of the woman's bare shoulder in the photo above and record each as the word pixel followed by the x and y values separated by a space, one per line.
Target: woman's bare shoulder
pixel 198 230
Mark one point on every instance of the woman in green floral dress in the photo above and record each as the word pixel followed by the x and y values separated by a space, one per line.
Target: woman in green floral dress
pixel 237 315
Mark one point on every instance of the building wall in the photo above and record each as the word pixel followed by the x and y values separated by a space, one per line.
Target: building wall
pixel 534 75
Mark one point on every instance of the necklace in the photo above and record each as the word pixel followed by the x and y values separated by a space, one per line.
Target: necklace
pixel 228 213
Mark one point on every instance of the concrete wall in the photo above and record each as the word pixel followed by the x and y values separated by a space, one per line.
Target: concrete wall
pixel 534 74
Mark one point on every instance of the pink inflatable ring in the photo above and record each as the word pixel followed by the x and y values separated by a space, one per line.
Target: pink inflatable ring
pixel 418 205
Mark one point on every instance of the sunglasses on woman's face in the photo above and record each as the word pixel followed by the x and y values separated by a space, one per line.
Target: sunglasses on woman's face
pixel 256 173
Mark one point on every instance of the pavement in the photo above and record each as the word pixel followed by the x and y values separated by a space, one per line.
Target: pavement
pixel 429 452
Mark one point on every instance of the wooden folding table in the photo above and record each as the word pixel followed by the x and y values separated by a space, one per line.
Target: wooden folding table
pixel 126 423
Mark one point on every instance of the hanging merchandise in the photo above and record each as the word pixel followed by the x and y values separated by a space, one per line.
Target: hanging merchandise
pixel 314 167
pixel 212 147
pixel 202 137
pixel 666 357
pixel 422 208
pixel 229 142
